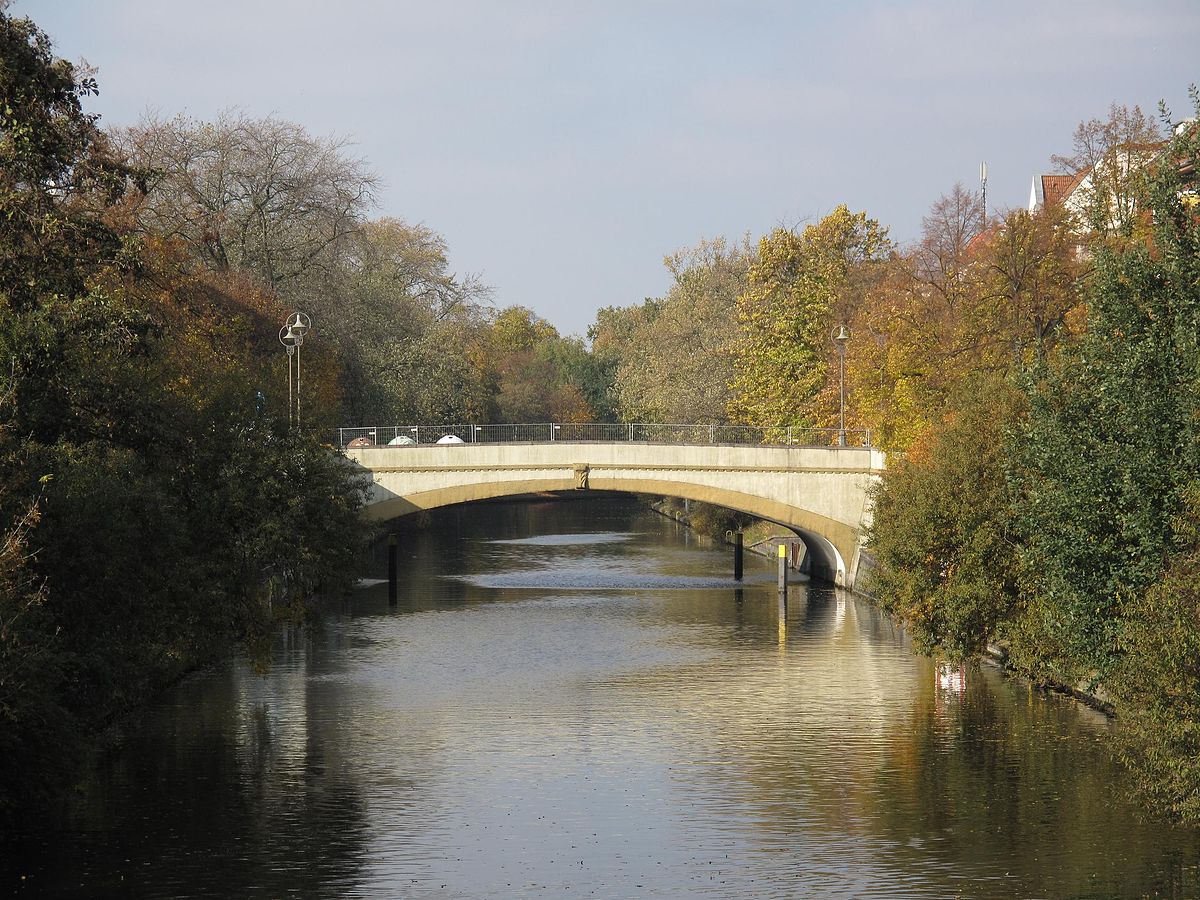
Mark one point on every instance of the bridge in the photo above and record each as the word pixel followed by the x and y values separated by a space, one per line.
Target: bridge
pixel 813 481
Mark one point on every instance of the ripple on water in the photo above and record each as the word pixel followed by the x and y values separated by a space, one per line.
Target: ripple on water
pixel 601 577
pixel 570 540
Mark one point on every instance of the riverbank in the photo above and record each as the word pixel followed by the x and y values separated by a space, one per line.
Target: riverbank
pixel 759 536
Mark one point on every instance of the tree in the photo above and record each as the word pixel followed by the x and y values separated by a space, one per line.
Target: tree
pixel 141 470
pixel 943 529
pixel 260 195
pixel 960 303
pixel 799 284
pixel 540 376
pixel 1158 679
pixel 1031 282
pixel 55 172
pixel 678 366
pixel 395 306
pixel 1107 160
pixel 1112 446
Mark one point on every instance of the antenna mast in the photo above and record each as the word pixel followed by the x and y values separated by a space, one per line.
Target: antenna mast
pixel 983 192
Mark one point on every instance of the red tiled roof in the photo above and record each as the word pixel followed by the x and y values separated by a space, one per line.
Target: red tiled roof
pixel 1056 188
pixel 980 240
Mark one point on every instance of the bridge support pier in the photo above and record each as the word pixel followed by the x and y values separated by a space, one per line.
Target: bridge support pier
pixel 738 551
pixel 392 573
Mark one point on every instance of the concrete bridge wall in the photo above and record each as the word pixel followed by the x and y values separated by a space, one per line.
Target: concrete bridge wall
pixel 819 492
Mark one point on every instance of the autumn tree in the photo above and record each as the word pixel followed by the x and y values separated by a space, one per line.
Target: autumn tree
pixel 398 314
pixel 260 195
pixel 540 375
pixel 56 171
pixel 799 285
pixel 678 366
pixel 915 330
pixel 1031 275
pixel 964 300
pixel 1107 159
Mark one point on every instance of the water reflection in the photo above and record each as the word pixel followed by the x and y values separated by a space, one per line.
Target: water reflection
pixel 578 698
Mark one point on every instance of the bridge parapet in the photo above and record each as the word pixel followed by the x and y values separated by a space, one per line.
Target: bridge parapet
pixel 606 432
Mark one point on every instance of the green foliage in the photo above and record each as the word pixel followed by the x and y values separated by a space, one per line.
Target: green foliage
pixel 678 365
pixel 1157 680
pixel 943 528
pixel 54 169
pixel 1112 441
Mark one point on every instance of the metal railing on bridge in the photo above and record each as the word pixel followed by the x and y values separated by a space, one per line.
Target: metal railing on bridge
pixel 602 432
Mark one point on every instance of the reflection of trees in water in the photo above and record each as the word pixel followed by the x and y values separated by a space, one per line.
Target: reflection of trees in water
pixel 846 749
pixel 990 782
pixel 220 791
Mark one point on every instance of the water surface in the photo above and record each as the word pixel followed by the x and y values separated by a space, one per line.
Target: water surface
pixel 576 699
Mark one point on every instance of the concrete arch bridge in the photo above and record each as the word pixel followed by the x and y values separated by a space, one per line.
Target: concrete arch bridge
pixel 820 492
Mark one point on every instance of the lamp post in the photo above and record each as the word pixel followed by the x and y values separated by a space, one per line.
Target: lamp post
pixel 288 338
pixel 292 336
pixel 840 335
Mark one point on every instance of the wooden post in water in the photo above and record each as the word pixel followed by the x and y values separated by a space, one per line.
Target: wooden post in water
pixel 737 556
pixel 392 569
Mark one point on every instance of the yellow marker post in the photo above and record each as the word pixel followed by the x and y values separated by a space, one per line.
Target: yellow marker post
pixel 783 561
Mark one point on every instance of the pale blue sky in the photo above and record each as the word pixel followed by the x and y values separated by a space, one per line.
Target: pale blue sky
pixel 562 148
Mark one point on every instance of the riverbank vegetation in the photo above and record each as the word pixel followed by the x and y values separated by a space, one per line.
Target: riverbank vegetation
pixel 156 506
pixel 1034 375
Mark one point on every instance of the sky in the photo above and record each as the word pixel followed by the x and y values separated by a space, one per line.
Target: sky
pixel 564 147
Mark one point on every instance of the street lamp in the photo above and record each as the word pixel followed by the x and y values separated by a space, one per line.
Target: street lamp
pixel 288 338
pixel 291 335
pixel 840 335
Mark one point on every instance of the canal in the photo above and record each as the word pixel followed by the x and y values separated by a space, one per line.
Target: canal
pixel 575 699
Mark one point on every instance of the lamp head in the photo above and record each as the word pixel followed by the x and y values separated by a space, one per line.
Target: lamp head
pixel 299 323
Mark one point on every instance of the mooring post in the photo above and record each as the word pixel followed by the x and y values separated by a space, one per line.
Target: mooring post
pixel 737 556
pixel 783 562
pixel 392 569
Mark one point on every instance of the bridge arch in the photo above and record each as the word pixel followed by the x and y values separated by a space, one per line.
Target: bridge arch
pixel 826 560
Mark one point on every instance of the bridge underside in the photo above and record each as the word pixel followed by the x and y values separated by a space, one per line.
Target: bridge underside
pixel 830 544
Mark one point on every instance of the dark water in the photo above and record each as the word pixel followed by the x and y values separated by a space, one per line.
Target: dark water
pixel 574 699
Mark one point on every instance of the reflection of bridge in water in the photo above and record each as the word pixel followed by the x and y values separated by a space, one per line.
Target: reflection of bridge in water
pixel 814 481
